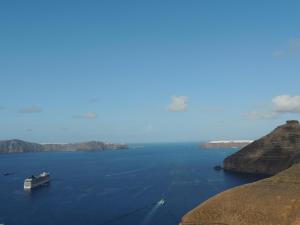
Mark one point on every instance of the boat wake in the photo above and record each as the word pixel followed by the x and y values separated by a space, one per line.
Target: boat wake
pixel 125 172
pixel 145 221
pixel 152 212
pixel 142 191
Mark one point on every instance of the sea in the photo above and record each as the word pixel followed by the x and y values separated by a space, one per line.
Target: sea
pixel 147 184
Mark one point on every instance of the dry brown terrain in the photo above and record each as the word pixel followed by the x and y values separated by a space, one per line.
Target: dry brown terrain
pixel 272 201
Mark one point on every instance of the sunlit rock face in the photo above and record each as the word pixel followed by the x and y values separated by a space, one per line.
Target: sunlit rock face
pixel 275 200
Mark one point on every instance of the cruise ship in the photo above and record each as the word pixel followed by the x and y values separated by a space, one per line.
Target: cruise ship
pixel 35 181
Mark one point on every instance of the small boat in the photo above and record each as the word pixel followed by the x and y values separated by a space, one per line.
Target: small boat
pixel 161 202
pixel 7 174
pixel 218 168
pixel 36 180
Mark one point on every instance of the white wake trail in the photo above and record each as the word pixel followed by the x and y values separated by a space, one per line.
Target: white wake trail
pixel 151 213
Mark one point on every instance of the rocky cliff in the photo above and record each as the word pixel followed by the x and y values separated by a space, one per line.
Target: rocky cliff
pixel 83 146
pixel 15 146
pixel 275 200
pixel 270 154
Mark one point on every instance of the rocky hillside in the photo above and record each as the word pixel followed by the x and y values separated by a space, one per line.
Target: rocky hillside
pixel 83 146
pixel 275 200
pixel 15 146
pixel 270 154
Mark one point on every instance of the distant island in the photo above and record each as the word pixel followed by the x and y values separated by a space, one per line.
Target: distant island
pixel 274 200
pixel 19 146
pixel 226 144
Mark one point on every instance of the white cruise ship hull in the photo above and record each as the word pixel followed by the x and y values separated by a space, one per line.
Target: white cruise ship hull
pixel 36 181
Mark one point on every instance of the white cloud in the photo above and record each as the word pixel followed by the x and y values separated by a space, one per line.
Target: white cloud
pixel 294 44
pixel 90 116
pixel 211 110
pixel 94 100
pixel 280 104
pixel 31 109
pixel 178 104
pixel 149 127
pixel 291 47
pixel 278 53
pixel 286 104
pixel 87 116
pixel 261 115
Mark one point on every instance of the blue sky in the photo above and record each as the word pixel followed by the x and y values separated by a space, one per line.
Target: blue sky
pixel 147 71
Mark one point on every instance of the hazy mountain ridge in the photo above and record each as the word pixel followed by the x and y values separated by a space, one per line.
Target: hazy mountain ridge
pixel 18 146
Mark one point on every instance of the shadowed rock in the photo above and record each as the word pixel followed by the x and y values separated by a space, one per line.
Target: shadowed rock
pixel 271 154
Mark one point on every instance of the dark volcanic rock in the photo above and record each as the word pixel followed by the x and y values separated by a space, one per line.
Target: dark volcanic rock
pixel 14 146
pixel 271 154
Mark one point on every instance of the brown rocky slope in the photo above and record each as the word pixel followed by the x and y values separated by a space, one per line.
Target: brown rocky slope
pixel 270 154
pixel 271 201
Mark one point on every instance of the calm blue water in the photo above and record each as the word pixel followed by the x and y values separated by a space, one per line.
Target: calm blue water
pixel 113 187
